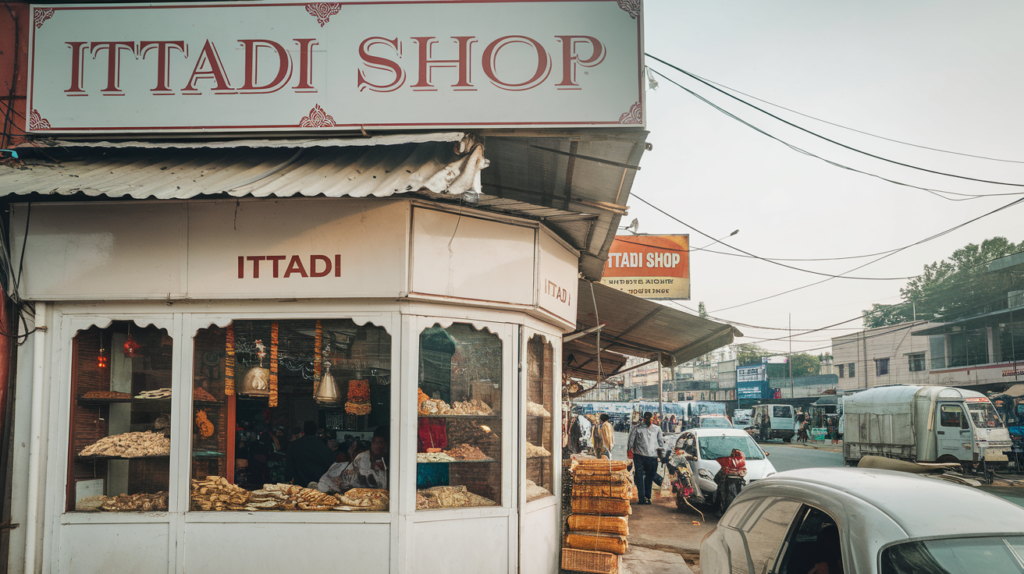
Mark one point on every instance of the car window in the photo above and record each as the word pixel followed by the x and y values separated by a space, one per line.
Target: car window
pixel 956 556
pixel 765 530
pixel 782 411
pixel 712 447
pixel 951 416
pixel 813 542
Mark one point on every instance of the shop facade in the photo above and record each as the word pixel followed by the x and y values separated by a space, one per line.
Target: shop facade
pixel 466 325
pixel 298 251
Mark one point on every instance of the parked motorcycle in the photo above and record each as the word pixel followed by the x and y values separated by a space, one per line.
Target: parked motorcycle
pixel 730 479
pixel 688 494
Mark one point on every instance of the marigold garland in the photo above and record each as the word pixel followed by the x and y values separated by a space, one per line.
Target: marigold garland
pixel 273 365
pixel 317 360
pixel 229 362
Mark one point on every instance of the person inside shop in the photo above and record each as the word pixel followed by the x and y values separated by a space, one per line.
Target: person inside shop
pixel 604 438
pixel 644 442
pixel 308 457
pixel 368 469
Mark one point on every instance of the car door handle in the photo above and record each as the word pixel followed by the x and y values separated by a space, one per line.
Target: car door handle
pixel 940 432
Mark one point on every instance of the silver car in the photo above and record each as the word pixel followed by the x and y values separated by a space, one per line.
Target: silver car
pixel 864 521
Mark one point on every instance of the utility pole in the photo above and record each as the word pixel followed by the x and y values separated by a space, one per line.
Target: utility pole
pixel 661 393
pixel 790 361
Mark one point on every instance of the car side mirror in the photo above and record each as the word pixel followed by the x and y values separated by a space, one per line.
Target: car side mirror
pixel 767 454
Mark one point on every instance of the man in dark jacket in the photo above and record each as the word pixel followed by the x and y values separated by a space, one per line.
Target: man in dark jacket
pixel 308 457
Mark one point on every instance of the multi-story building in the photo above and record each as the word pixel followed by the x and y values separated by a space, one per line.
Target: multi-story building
pixel 984 350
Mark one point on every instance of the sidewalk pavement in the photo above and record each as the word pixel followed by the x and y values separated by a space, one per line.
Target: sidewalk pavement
pixel 665 536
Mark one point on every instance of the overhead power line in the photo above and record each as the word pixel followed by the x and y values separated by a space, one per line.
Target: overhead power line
pixel 936 192
pixel 829 275
pixel 832 141
pixel 869 134
pixel 619 238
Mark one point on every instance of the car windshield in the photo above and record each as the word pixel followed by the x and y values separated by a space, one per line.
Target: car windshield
pixel 712 447
pixel 984 415
pixel 710 409
pixel 996 554
pixel 715 423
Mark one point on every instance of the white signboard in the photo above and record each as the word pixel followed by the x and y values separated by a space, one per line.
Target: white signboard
pixel 336 66
pixel 750 374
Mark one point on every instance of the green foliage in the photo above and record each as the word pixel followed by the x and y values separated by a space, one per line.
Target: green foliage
pixel 749 353
pixel 955 287
pixel 804 365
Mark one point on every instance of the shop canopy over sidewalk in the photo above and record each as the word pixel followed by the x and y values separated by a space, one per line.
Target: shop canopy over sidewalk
pixel 576 182
pixel 637 327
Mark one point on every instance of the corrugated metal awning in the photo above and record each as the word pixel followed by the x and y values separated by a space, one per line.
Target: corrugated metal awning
pixel 642 328
pixel 332 168
pixel 576 182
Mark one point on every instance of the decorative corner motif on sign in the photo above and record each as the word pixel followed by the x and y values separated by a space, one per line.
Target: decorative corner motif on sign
pixel 36 122
pixel 632 7
pixel 323 11
pixel 42 15
pixel 317 118
pixel 633 116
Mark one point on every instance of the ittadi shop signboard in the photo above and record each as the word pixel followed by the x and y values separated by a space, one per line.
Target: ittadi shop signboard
pixel 376 65
pixel 649 266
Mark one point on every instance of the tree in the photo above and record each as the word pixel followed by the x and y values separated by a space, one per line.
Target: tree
pixel 804 365
pixel 954 287
pixel 748 353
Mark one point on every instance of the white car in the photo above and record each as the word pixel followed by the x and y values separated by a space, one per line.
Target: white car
pixel 741 418
pixel 865 521
pixel 706 444
pixel 714 422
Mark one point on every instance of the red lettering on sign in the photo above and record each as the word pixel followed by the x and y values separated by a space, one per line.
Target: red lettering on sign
pixel 241 267
pixel 379 63
pixel 163 67
pixel 77 61
pixel 276 259
pixel 312 265
pixel 305 64
pixel 208 57
pixel 284 67
pixel 255 265
pixel 295 266
pixel 427 65
pixel 114 50
pixel 491 56
pixel 337 264
pixel 570 59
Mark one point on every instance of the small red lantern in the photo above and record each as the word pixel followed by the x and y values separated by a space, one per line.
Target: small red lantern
pixel 101 359
pixel 131 348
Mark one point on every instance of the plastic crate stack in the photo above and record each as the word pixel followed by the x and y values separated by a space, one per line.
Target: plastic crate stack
pixel 599 523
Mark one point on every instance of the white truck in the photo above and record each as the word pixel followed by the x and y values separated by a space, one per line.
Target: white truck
pixel 924 424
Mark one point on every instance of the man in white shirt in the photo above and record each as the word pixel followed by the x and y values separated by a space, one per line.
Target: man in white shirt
pixel 644 440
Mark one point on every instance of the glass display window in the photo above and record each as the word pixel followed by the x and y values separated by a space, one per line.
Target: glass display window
pixel 540 385
pixel 458 454
pixel 291 415
pixel 120 446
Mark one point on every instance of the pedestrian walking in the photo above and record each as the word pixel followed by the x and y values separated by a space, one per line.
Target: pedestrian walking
pixel 604 438
pixel 802 435
pixel 832 430
pixel 644 442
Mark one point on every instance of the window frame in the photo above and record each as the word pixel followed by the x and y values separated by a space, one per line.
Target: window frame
pixel 917 362
pixel 549 338
pixel 852 369
pixel 801 515
pixel 882 367
pixel 412 326
pixel 842 368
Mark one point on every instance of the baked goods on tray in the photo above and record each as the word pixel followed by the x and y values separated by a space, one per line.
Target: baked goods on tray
pixel 130 445
pixel 365 499
pixel 106 395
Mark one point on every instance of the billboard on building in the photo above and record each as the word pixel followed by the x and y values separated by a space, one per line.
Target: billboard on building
pixel 649 266
pixel 364 66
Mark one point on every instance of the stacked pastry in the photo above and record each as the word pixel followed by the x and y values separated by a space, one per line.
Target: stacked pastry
pixel 600 510
pixel 216 493
pixel 358 398
pixel 130 445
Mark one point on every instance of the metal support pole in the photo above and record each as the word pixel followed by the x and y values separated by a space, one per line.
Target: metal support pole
pixel 661 393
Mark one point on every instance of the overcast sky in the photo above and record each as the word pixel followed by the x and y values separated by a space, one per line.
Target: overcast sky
pixel 947 75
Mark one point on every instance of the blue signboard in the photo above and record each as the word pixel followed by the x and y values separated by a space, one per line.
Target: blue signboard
pixel 750 389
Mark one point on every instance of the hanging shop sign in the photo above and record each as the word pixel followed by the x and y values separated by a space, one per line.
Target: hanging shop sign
pixel 649 266
pixel 338 66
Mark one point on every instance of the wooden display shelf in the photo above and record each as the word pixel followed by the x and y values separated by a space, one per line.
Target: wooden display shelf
pixel 101 402
pixel 101 457
pixel 457 461
pixel 460 416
